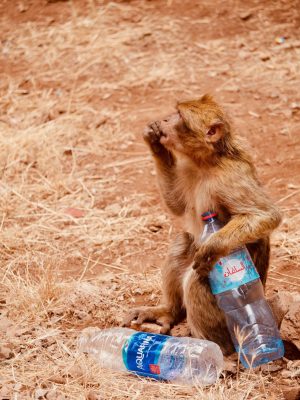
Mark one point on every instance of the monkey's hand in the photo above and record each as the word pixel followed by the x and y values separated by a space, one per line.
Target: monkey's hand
pixel 152 135
pixel 205 258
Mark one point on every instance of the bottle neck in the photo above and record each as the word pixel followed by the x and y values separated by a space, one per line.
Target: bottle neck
pixel 211 225
pixel 210 220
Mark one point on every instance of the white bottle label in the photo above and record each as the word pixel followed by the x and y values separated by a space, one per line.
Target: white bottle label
pixel 232 271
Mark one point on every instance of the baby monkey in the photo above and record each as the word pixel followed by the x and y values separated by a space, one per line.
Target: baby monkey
pixel 202 166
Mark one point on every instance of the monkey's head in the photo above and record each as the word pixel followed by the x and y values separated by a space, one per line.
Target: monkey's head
pixel 198 129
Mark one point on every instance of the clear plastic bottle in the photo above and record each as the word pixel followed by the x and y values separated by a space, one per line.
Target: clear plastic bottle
pixel 239 292
pixel 179 359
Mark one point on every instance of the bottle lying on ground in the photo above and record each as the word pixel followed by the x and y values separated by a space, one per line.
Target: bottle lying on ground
pixel 239 292
pixel 178 359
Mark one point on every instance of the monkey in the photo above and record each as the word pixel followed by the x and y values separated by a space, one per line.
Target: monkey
pixel 202 165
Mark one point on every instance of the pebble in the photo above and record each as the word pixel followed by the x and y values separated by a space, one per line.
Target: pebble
pixel 291 393
pixel 264 56
pixel 93 396
pixel 5 353
pixel 245 15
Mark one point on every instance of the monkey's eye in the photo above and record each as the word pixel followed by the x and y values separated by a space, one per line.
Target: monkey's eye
pixel 212 131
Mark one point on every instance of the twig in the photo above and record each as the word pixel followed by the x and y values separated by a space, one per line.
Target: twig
pixel 288 196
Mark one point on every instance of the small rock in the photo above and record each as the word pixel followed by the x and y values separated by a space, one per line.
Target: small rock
pixel 6 392
pixel 5 323
pixel 138 291
pixel 295 106
pixel 290 326
pixel 243 54
pixel 53 395
pixel 253 114
pixel 75 372
pixel 291 393
pixel 17 331
pixel 81 314
pixel 5 353
pixel 18 387
pixel 286 374
pixel 47 342
pixel 287 113
pixel 245 15
pixel 153 296
pixel 59 379
pixel 292 365
pixel 292 186
pixel 272 367
pixel 113 209
pixel 292 370
pixel 40 394
pixel 232 88
pixel 264 56
pixel 280 304
pixel 155 228
pixel 74 212
pixel 22 7
pixel 284 131
pixel 93 396
pixel 274 94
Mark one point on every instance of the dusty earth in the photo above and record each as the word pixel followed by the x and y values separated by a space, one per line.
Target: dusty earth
pixel 82 229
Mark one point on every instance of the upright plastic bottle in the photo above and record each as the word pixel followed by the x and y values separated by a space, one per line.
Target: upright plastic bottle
pixel 180 359
pixel 237 287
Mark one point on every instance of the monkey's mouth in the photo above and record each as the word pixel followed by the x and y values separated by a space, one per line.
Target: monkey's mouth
pixel 166 140
pixel 164 137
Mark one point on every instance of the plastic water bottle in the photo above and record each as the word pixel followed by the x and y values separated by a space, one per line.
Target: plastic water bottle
pixel 239 292
pixel 180 359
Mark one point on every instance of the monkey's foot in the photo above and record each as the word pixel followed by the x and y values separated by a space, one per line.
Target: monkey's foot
pixel 161 315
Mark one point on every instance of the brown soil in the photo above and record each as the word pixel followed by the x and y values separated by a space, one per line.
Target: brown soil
pixel 83 230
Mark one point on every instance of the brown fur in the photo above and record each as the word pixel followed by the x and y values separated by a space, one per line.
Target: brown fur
pixel 201 166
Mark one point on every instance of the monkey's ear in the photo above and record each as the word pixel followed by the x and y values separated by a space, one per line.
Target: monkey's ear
pixel 214 133
pixel 206 99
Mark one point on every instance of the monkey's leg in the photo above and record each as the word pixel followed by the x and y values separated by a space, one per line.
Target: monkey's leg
pixel 260 253
pixel 204 317
pixel 171 310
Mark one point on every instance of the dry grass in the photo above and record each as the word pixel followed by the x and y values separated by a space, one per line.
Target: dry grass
pixel 72 105
pixel 48 317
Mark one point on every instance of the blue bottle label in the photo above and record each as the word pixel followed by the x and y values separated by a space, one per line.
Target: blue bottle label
pixel 232 271
pixel 141 353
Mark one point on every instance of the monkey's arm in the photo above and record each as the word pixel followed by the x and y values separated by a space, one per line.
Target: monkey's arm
pixel 165 164
pixel 253 217
pixel 173 196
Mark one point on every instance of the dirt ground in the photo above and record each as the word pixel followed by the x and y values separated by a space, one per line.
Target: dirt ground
pixel 83 231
